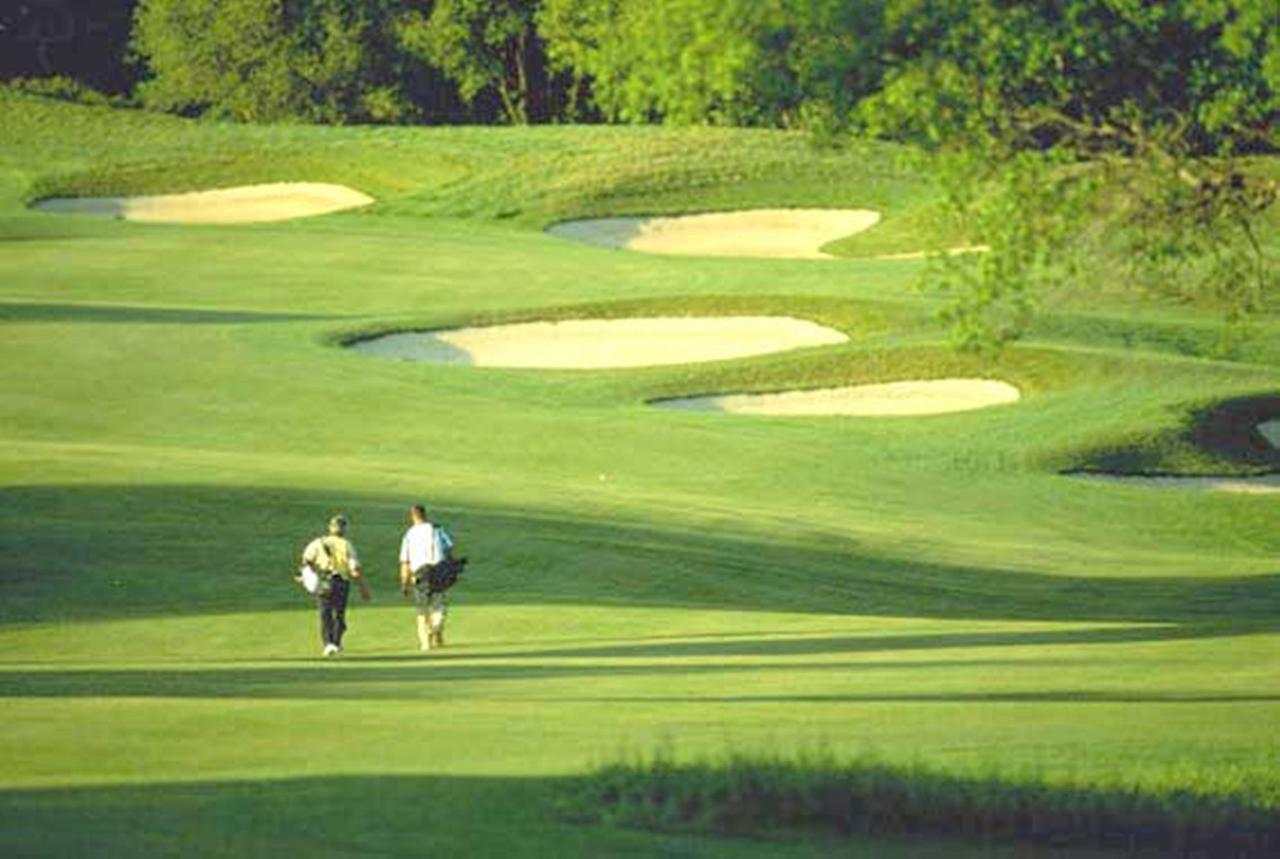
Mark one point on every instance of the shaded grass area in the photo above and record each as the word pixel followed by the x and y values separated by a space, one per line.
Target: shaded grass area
pixel 872 799
pixel 393 677
pixel 81 552
pixel 331 816
pixel 386 815
pixel 98 314
pixel 1218 438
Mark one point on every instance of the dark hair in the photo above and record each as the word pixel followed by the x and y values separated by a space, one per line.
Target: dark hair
pixel 420 510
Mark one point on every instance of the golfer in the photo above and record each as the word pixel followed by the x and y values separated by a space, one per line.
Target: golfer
pixel 333 556
pixel 424 545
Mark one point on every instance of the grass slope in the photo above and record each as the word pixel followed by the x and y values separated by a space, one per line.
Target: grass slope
pixel 179 418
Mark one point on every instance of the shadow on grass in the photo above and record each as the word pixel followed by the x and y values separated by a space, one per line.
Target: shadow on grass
pixel 110 313
pixel 1063 697
pixel 747 796
pixel 431 682
pixel 871 643
pixel 379 815
pixel 333 816
pixel 97 552
pixel 1225 432
pixel 423 680
pixel 46 228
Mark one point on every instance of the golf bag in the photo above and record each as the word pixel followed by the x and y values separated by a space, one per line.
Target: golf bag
pixel 313 575
pixel 312 580
pixel 438 578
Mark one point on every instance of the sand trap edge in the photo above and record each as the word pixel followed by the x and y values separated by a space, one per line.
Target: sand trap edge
pixel 781 233
pixel 241 204
pixel 905 398
pixel 1265 484
pixel 1270 430
pixel 602 344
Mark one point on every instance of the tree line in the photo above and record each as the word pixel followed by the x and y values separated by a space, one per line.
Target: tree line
pixel 919 70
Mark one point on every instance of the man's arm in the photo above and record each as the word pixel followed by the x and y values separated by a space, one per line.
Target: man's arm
pixel 406 574
pixel 359 580
pixel 356 574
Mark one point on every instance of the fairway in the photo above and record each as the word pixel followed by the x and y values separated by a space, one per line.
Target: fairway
pixel 182 413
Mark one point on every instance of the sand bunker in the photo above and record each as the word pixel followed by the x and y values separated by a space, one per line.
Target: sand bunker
pixel 1270 430
pixel 605 343
pixel 278 201
pixel 933 397
pixel 776 233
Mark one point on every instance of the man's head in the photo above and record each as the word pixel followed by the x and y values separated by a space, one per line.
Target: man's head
pixel 338 525
pixel 417 513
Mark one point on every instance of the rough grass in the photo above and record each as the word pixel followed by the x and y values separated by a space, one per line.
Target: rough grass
pixel 745 796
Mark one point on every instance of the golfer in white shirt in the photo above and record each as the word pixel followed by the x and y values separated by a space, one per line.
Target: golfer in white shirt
pixel 424 545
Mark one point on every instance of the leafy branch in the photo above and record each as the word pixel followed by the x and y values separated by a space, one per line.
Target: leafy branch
pixel 1187 223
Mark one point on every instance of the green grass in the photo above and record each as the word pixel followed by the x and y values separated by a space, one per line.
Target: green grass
pixel 180 417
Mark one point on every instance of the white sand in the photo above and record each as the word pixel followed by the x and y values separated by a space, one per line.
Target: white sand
pixel 605 343
pixel 1264 485
pixel 1271 432
pixel 895 398
pixel 246 204
pixel 776 233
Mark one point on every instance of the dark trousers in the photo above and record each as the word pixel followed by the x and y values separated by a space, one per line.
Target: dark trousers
pixel 333 611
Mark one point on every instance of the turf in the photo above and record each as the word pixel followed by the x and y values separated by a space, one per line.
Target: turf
pixel 179 417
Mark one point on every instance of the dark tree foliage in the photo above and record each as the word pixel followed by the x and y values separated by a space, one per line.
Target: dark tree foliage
pixel 981 66
pixel 340 61
pixel 923 70
pixel 733 62
pixel 82 40
pixel 487 48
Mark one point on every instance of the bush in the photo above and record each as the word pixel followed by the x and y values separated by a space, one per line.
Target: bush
pixel 66 89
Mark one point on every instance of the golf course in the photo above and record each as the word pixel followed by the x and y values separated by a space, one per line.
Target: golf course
pixel 844 540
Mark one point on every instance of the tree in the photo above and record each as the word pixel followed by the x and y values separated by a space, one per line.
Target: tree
pixel 1084 132
pixel 728 62
pixel 484 45
pixel 225 58
pixel 971 67
pixel 272 60
pixel 347 60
